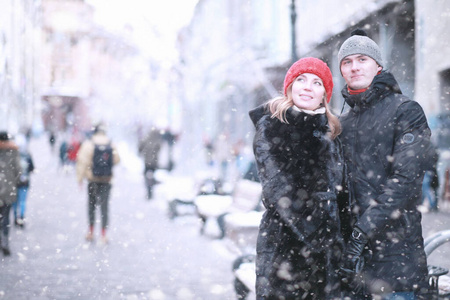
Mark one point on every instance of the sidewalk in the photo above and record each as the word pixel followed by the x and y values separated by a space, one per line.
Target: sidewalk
pixel 147 257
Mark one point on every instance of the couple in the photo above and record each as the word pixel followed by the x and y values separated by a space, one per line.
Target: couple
pixel 340 195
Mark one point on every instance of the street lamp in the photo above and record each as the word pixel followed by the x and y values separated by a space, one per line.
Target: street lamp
pixel 293 37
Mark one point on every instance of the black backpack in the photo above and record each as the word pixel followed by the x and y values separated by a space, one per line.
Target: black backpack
pixel 102 161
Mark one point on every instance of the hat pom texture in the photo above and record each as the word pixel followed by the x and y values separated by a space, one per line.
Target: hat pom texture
pixel 314 66
pixel 360 43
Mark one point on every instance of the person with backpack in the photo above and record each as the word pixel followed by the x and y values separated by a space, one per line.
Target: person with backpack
pixel 95 160
pixel 23 185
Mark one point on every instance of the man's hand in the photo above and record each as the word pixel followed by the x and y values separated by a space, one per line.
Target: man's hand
pixel 352 260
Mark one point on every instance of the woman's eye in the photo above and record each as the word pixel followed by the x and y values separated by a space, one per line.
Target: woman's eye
pixel 318 83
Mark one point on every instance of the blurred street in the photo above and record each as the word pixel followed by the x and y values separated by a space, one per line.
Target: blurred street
pixel 148 255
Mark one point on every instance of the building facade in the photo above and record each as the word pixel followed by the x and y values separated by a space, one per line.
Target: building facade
pixel 19 64
pixel 225 54
pixel 216 45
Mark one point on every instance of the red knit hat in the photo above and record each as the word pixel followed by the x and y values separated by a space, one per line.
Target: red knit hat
pixel 314 66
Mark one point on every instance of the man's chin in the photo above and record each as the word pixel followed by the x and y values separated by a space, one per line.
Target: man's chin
pixel 357 86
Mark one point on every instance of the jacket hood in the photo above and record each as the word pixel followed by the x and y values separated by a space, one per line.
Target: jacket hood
pixel 257 113
pixel 382 85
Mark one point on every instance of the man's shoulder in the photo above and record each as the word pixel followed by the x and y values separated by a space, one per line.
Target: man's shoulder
pixel 399 102
pixel 404 103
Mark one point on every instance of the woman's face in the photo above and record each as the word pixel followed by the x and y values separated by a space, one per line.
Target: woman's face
pixel 308 91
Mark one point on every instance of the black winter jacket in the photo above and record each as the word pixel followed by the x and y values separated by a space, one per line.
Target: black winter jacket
pixel 299 243
pixel 386 143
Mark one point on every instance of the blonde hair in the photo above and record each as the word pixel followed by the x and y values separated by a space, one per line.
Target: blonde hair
pixel 278 107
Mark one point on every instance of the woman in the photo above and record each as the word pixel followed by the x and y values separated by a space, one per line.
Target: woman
pixel 23 185
pixel 301 170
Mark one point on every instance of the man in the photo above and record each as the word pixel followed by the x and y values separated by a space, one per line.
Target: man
pixel 94 162
pixel 386 142
pixel 9 177
pixel 149 148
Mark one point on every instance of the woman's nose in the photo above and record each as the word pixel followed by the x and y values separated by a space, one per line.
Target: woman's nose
pixel 307 86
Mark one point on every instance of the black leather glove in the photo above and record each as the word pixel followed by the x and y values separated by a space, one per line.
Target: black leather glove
pixel 352 260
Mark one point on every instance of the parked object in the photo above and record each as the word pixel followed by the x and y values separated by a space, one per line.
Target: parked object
pixel 185 206
pixel 246 197
pixel 244 270
pixel 435 273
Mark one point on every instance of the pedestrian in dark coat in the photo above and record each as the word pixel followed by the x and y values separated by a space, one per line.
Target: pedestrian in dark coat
pixel 149 148
pixel 9 177
pixel 301 170
pixel 387 148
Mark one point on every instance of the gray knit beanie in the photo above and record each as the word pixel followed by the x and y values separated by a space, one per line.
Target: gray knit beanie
pixel 360 43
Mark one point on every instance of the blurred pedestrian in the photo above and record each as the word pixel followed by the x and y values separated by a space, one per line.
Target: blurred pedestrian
pixel 95 161
pixel 23 185
pixel 430 185
pixel 443 166
pixel 52 140
pixel 223 154
pixel 149 148
pixel 170 138
pixel 9 176
pixel 209 149
pixel 386 142
pixel 73 148
pixel 300 166
pixel 63 157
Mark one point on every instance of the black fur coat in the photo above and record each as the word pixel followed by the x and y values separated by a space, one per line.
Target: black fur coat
pixel 301 171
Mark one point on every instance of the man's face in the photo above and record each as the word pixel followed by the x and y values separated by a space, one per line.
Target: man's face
pixel 359 70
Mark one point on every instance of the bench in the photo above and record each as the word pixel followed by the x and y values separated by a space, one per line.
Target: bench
pixel 242 229
pixel 431 243
pixel 246 197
